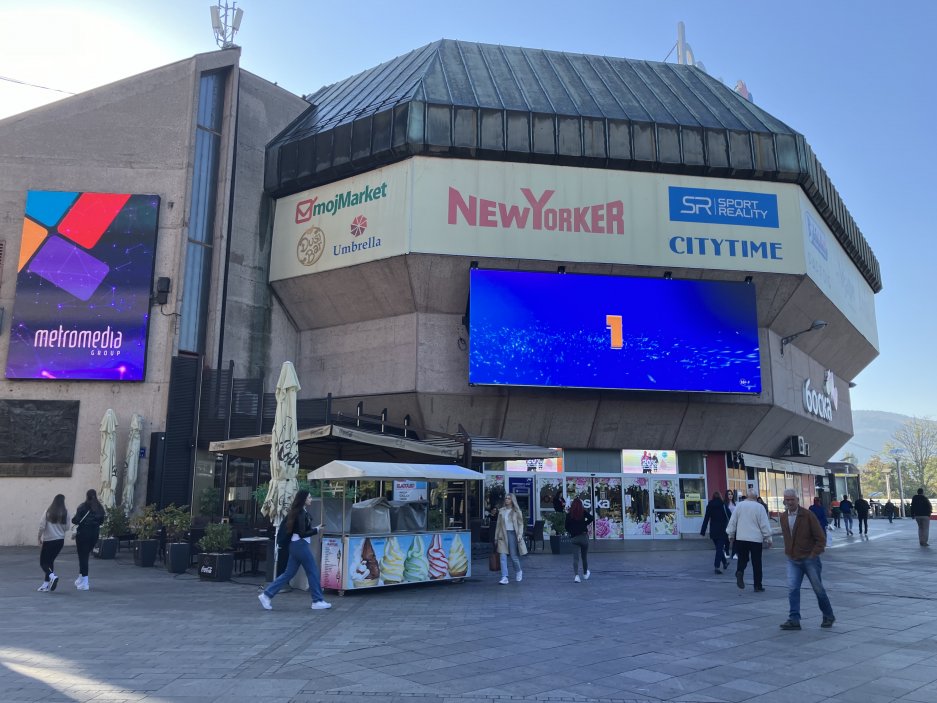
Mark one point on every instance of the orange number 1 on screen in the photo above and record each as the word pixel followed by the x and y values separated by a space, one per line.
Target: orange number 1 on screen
pixel 613 323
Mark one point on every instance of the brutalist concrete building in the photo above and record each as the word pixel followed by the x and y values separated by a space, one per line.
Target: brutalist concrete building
pixel 621 259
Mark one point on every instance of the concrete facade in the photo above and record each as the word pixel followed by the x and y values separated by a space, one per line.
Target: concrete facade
pixel 137 136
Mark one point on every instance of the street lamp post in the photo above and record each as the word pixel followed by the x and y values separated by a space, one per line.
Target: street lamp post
pixel 897 454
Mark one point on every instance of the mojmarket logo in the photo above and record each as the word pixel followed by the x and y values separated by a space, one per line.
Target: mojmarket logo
pixel 307 209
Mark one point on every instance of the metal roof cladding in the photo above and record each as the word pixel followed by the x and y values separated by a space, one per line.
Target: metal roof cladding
pixel 502 103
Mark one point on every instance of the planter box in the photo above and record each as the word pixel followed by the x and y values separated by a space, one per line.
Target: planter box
pixel 561 545
pixel 106 548
pixel 145 551
pixel 215 567
pixel 177 557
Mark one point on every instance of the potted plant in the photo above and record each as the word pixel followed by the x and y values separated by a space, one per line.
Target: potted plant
pixel 115 524
pixel 177 522
pixel 557 523
pixel 216 562
pixel 145 524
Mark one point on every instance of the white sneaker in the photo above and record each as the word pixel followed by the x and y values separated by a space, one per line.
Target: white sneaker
pixel 520 576
pixel 43 587
pixel 576 578
pixel 78 581
pixel 503 581
pixel 587 575
pixel 265 601
pixel 321 605
pixel 53 581
pixel 735 556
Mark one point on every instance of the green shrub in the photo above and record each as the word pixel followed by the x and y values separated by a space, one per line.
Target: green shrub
pixel 177 522
pixel 146 522
pixel 115 522
pixel 557 522
pixel 217 538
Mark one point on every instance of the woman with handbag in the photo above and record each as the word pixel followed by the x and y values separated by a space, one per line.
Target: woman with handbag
pixel 87 519
pixel 509 538
pixel 51 540
pixel 578 520
pixel 295 534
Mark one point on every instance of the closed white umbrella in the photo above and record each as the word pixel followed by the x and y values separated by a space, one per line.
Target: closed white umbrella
pixel 132 461
pixel 284 448
pixel 108 492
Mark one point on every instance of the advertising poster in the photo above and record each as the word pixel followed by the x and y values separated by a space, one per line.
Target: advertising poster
pixel 648 461
pixel 83 286
pixel 407 558
pixel 551 464
pixel 665 506
pixel 331 572
pixel 637 506
pixel 409 491
pixel 608 509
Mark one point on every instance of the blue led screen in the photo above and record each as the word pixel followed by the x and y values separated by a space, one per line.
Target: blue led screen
pixel 577 331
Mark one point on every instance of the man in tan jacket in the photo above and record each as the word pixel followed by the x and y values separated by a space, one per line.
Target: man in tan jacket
pixel 804 542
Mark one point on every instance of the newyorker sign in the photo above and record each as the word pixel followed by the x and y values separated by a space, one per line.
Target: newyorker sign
pixel 822 403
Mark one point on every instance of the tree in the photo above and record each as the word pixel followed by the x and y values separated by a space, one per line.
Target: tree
pixel 918 438
pixel 873 474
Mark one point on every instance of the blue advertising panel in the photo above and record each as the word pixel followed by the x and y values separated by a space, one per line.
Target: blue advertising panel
pixel 723 207
pixel 83 287
pixel 578 331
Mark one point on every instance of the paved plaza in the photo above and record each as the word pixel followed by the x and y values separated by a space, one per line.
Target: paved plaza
pixel 649 626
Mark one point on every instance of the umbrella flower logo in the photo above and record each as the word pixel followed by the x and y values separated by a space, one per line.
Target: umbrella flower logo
pixel 359 225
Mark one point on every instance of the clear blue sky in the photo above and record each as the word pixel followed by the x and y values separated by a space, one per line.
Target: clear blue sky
pixel 856 77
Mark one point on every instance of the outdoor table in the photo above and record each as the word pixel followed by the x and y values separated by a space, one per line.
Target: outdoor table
pixel 251 544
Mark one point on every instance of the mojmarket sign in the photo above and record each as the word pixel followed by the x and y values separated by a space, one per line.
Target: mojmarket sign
pixel 821 403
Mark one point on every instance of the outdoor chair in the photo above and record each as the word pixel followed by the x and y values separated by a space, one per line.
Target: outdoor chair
pixel 534 534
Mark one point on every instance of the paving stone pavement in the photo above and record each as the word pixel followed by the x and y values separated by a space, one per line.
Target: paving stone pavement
pixel 649 626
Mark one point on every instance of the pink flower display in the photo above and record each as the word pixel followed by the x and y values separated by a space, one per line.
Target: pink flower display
pixel 602 528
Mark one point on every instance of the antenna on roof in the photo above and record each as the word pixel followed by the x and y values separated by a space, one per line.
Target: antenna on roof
pixel 225 21
pixel 685 51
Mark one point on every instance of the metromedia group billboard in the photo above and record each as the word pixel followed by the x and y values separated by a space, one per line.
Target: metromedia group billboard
pixel 83 287
pixel 583 331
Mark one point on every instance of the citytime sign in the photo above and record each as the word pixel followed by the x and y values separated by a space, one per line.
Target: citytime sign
pixel 822 403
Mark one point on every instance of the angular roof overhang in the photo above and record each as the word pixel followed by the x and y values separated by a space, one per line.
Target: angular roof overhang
pixel 481 101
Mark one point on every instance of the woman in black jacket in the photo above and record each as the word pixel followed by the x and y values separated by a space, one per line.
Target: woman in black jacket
pixel 717 517
pixel 296 534
pixel 577 525
pixel 88 517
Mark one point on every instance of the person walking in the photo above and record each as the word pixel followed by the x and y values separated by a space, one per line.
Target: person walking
pixel 845 507
pixel 717 518
pixel 295 535
pixel 509 538
pixel 578 520
pixel 51 540
pixel 804 542
pixel 819 512
pixel 921 511
pixel 731 504
pixel 862 509
pixel 890 511
pixel 836 512
pixel 750 530
pixel 88 517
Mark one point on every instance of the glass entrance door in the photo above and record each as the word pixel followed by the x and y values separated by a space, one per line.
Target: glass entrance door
pixel 664 506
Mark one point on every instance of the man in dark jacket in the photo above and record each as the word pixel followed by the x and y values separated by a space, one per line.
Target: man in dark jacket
pixel 862 508
pixel 804 542
pixel 717 518
pixel 921 511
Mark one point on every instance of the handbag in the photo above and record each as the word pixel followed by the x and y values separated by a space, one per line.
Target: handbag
pixel 494 562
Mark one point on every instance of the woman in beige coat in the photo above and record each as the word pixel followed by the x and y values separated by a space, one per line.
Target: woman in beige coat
pixel 509 537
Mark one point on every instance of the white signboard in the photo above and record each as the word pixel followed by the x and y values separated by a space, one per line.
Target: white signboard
pixel 832 270
pixel 350 222
pixel 526 211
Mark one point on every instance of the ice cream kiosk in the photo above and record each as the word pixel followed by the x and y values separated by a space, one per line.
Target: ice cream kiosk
pixel 382 541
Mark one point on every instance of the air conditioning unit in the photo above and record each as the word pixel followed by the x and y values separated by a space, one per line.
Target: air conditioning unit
pixel 799 446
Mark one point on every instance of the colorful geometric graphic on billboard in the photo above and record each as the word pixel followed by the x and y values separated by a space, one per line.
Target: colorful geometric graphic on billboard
pixel 83 287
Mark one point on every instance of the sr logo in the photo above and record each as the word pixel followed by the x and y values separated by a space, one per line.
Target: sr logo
pixel 695 204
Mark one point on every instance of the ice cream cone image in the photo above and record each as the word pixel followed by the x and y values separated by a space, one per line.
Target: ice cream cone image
pixel 392 563
pixel 438 563
pixel 416 567
pixel 458 563
pixel 366 571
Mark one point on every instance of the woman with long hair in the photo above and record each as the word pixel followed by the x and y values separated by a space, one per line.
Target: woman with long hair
pixel 295 535
pixel 88 517
pixel 51 540
pixel 578 520
pixel 730 504
pixel 717 519
pixel 509 537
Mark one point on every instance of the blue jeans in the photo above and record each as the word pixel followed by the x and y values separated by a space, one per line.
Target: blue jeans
pixel 300 555
pixel 512 547
pixel 847 521
pixel 796 570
